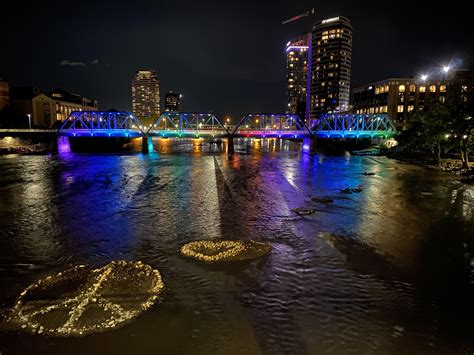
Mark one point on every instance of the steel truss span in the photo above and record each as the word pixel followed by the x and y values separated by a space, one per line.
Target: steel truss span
pixel 187 125
pixel 207 125
pixel 271 125
pixel 101 124
pixel 353 126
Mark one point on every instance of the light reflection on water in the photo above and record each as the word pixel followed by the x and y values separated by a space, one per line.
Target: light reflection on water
pixel 388 270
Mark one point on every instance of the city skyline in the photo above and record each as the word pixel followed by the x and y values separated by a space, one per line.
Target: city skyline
pixel 237 69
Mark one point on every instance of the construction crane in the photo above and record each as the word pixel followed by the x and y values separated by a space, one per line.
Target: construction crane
pixel 297 17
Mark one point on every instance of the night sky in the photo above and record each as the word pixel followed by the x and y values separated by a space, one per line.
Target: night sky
pixel 225 57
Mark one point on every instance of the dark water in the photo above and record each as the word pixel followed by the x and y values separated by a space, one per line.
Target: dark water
pixel 387 271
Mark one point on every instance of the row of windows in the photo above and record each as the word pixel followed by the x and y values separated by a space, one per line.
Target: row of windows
pixel 337 30
pixel 401 108
pixel 379 109
pixel 422 88
pixel 411 88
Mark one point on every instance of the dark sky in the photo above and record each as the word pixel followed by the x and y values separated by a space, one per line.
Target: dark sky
pixel 223 56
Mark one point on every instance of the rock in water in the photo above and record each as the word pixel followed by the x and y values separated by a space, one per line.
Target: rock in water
pixel 81 300
pixel 349 190
pixel 324 200
pixel 212 251
pixel 303 211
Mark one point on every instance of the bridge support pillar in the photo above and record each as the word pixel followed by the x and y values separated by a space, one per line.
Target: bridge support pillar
pixel 54 144
pixel 145 142
pixel 230 145
pixel 309 145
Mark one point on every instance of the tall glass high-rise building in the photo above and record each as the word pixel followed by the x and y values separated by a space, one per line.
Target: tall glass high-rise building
pixel 297 74
pixel 145 94
pixel 331 56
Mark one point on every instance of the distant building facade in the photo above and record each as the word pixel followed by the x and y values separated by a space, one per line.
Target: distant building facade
pixel 331 58
pixel 297 66
pixel 48 106
pixel 172 102
pixel 145 94
pixel 57 105
pixel 4 94
pixel 397 97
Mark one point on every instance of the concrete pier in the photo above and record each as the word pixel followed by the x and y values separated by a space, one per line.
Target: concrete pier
pixel 54 144
pixel 230 145
pixel 145 142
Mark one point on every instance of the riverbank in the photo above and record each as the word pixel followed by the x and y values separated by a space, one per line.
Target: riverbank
pixel 449 165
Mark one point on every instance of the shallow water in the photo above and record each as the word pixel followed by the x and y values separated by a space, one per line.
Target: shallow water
pixel 388 270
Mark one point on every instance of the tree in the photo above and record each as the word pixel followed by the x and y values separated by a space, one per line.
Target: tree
pixel 427 129
pixel 12 117
pixel 460 102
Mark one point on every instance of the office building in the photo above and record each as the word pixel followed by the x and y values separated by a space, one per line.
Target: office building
pixel 172 102
pixel 397 97
pixel 330 66
pixel 297 64
pixel 145 94
pixel 48 106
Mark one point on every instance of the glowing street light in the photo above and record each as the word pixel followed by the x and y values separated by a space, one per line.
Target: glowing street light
pixel 424 77
pixel 446 69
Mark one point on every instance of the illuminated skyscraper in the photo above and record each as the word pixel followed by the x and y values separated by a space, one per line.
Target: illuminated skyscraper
pixel 145 94
pixel 331 56
pixel 297 74
pixel 172 102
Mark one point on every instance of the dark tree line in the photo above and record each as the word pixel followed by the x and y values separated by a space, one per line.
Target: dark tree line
pixel 12 117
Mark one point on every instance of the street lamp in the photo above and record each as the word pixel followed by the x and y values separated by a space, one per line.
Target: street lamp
pixel 424 77
pixel 446 69
pixel 29 120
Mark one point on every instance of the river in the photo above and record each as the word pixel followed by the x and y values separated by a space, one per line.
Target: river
pixel 389 270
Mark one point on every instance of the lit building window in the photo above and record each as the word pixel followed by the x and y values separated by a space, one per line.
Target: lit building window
pixel 433 88
pixel 442 88
pixel 400 108
pixel 412 88
pixel 377 90
pixel 410 108
pixel 401 88
pixel 423 88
